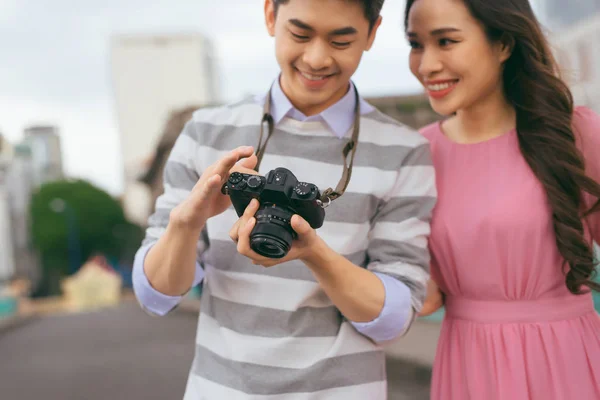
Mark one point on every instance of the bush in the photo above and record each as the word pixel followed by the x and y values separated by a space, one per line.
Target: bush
pixel 72 220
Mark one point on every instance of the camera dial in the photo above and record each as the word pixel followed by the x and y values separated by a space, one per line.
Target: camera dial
pixel 254 182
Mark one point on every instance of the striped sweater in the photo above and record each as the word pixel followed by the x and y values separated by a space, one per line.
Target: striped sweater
pixel 273 333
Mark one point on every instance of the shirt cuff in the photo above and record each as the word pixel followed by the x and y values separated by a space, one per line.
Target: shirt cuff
pixel 150 299
pixel 395 316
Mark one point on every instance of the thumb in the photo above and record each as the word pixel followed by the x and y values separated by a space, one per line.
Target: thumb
pixel 249 162
pixel 300 225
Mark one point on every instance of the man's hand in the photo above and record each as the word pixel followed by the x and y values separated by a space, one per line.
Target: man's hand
pixel 206 200
pixel 303 248
pixel 434 300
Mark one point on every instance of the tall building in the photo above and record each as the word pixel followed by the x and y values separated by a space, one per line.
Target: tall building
pixel 46 153
pixel 153 76
pixel 7 261
pixel 20 185
pixel 575 32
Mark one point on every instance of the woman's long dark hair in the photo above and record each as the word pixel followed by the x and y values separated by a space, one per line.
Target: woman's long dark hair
pixel 544 108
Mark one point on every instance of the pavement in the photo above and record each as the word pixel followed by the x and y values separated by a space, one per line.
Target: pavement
pixel 123 353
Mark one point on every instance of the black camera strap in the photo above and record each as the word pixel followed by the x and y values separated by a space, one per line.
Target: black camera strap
pixel 349 149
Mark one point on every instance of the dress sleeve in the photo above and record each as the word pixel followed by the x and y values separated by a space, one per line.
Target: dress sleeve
pixel 586 125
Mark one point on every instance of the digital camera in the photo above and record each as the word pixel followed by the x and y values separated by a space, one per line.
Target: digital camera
pixel 280 196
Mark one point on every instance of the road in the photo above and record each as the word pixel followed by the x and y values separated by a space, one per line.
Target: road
pixel 123 353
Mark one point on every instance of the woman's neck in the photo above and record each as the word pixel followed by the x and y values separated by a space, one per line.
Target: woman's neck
pixel 490 117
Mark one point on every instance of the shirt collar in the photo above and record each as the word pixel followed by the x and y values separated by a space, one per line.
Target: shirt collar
pixel 339 117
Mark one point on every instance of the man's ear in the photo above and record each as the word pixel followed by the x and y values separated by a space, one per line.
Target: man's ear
pixel 373 33
pixel 270 16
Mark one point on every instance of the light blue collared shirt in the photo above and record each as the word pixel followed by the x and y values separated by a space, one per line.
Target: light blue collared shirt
pixel 397 312
pixel 339 117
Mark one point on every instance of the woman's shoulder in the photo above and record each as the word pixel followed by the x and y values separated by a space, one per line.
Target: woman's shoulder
pixel 586 126
pixel 585 117
pixel 431 131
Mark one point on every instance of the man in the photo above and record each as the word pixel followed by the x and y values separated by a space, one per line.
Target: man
pixel 306 326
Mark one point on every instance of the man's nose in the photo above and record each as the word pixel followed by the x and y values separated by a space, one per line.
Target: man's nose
pixel 317 55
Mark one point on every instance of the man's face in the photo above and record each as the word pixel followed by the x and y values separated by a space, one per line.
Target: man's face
pixel 318 45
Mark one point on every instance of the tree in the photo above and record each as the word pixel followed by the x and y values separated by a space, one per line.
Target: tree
pixel 72 220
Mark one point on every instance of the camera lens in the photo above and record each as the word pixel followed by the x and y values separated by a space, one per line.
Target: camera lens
pixel 273 235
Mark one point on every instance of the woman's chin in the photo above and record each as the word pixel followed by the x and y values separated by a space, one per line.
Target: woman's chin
pixel 445 110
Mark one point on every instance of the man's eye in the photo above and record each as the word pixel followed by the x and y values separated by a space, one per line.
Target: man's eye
pixel 341 44
pixel 299 37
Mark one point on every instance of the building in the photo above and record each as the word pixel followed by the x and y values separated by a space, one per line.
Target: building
pixel 46 153
pixel 7 261
pixel 575 32
pixel 152 76
pixel 152 176
pixel 20 184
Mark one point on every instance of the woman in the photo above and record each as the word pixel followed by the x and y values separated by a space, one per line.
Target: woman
pixel 518 170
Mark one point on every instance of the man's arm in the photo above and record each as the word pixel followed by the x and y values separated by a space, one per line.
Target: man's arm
pixel 382 300
pixel 151 300
pixel 167 265
pixel 398 250
pixel 165 245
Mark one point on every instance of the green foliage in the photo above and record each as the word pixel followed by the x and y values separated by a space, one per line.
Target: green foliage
pixel 72 220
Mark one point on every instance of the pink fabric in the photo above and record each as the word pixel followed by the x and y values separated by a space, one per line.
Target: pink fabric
pixel 512 330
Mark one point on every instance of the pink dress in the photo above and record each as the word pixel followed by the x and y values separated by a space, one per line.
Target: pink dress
pixel 512 330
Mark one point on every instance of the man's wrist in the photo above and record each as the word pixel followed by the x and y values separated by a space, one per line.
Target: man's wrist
pixel 184 230
pixel 320 255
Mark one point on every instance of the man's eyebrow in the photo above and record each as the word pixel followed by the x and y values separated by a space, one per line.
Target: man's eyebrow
pixel 344 31
pixel 348 30
pixel 301 24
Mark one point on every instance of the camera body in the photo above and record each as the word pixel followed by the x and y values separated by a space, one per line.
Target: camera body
pixel 281 196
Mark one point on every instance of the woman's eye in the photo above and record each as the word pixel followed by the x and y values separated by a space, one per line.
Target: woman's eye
pixel 414 44
pixel 446 42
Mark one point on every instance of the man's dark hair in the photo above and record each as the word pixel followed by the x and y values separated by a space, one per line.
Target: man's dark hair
pixel 372 9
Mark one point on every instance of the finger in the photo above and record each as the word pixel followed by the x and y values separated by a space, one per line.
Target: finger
pixel 242 170
pixel 233 232
pixel 227 162
pixel 243 244
pixel 300 225
pixel 246 165
pixel 200 194
pixel 251 209
pixel 249 162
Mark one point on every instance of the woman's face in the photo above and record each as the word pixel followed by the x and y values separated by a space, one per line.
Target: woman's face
pixel 452 56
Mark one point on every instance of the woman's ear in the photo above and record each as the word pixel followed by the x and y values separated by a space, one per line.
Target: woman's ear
pixel 506 47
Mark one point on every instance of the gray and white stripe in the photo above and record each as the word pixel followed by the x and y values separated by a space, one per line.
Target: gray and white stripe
pixel 270 334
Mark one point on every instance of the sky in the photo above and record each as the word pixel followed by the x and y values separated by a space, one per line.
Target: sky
pixel 55 66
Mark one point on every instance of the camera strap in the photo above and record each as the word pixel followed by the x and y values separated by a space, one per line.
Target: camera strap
pixel 349 149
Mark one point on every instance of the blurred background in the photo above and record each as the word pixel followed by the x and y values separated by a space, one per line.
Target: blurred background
pixel 92 98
